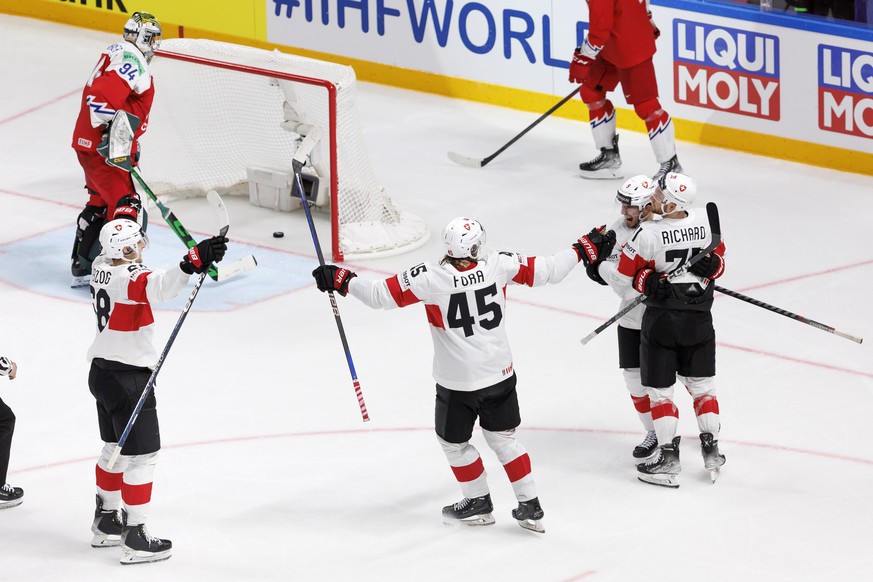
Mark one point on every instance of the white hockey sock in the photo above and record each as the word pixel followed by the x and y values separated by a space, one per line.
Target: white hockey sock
pixel 109 482
pixel 136 491
pixel 515 461
pixel 467 466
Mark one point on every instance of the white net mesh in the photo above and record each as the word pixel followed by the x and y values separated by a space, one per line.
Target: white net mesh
pixel 210 122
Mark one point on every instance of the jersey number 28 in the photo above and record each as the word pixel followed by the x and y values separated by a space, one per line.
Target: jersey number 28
pixel 489 312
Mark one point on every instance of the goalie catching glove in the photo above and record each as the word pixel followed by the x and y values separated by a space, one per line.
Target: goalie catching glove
pixel 333 278
pixel 595 246
pixel 200 257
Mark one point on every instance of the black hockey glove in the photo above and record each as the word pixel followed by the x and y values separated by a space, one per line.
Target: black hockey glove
pixel 333 278
pixel 652 284
pixel 710 267
pixel 593 273
pixel 200 257
pixel 595 246
pixel 128 206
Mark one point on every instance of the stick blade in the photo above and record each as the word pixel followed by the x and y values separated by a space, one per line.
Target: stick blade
pixel 466 160
pixel 235 268
pixel 712 215
pixel 221 210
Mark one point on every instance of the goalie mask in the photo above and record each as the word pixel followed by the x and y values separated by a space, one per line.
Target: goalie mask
pixel 637 193
pixel 143 30
pixel 120 239
pixel 679 189
pixel 464 238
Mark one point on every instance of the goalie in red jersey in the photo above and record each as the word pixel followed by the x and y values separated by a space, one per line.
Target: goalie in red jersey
pixel 619 49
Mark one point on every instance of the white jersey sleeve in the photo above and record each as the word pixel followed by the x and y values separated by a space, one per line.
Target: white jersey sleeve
pixel 608 270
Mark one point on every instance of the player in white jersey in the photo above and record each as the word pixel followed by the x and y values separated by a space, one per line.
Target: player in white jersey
pixel 677 334
pixel 634 200
pixel 9 496
pixel 464 297
pixel 122 357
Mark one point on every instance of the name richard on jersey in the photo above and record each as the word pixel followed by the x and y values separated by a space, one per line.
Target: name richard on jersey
pixel 687 234
pixel 469 279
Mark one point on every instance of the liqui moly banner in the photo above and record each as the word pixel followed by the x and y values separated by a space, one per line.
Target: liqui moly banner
pixel 845 91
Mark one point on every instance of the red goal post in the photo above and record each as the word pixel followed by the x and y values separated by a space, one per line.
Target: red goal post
pixel 223 111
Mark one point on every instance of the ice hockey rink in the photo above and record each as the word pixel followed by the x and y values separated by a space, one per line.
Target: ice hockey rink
pixel 269 473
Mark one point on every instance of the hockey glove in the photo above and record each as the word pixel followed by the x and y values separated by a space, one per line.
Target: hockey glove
pixel 652 284
pixel 709 267
pixel 333 278
pixel 593 273
pixel 595 246
pixel 200 257
pixel 128 206
pixel 580 65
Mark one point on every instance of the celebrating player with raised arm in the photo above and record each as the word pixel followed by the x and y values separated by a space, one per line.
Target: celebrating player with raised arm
pixel 619 49
pixel 121 81
pixel 634 199
pixel 677 335
pixel 464 297
pixel 122 358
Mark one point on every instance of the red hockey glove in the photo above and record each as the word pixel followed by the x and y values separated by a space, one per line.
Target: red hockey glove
pixel 333 278
pixel 595 246
pixel 128 206
pixel 652 284
pixel 580 66
pixel 709 267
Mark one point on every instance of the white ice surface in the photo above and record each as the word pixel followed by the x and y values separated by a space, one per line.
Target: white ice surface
pixel 267 471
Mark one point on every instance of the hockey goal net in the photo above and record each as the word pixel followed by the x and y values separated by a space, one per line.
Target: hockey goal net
pixel 221 109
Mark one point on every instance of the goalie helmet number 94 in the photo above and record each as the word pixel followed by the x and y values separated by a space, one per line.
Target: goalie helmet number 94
pixel 489 313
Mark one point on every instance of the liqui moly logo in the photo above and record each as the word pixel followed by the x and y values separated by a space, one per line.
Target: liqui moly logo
pixel 726 69
pixel 845 90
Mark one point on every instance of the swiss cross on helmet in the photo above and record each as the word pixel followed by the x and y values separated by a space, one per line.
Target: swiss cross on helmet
pixel 463 238
pixel 143 30
pixel 120 239
pixel 679 189
pixel 636 191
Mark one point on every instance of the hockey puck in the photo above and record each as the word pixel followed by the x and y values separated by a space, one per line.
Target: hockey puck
pixel 278 234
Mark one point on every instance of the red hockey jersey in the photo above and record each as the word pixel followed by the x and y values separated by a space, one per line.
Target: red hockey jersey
pixel 622 29
pixel 121 80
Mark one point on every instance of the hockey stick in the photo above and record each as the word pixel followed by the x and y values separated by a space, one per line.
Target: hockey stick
pixel 224 224
pixel 715 229
pixel 478 163
pixel 793 316
pixel 226 271
pixel 297 163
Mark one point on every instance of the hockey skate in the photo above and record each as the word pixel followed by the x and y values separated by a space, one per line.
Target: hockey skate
pixel 10 496
pixel 476 511
pixel 664 468
pixel 139 547
pixel 671 165
pixel 107 526
pixel 81 276
pixel 605 166
pixel 647 448
pixel 529 515
pixel 712 459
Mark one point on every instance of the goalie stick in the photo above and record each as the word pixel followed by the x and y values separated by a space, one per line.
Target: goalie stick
pixel 471 162
pixel 224 225
pixel 788 314
pixel 303 151
pixel 223 273
pixel 715 230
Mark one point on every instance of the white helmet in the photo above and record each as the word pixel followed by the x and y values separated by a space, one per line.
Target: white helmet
pixel 679 189
pixel 143 30
pixel 463 238
pixel 121 237
pixel 636 192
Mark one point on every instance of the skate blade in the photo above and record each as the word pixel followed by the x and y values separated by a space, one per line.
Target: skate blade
pixel 129 557
pixel 14 503
pixel 484 519
pixel 101 540
pixel 78 282
pixel 662 479
pixel 602 174
pixel 535 525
